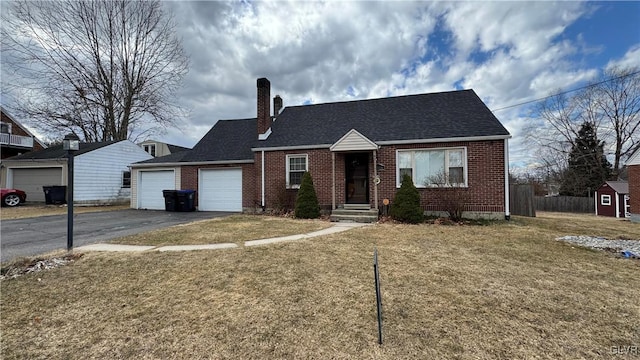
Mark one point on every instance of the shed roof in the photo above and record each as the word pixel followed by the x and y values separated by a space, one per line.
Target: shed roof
pixel 621 187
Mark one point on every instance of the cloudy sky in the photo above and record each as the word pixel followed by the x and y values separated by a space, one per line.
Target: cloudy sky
pixel 314 52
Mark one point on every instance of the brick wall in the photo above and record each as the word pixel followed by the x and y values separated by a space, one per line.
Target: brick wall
pixel 189 180
pixel 485 160
pixel 634 190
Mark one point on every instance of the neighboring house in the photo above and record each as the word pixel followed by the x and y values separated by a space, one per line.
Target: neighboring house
pixel 612 199
pixel 158 149
pixel 356 152
pixel 15 139
pixel 101 171
pixel 633 169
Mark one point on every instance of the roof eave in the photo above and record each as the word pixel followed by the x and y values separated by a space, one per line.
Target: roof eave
pixel 182 163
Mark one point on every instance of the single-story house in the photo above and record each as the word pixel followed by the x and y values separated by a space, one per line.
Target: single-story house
pixel 612 199
pixel 15 138
pixel 356 152
pixel 633 167
pixel 101 171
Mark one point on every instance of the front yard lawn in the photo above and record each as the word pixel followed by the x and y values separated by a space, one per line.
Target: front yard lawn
pixel 230 229
pixel 508 290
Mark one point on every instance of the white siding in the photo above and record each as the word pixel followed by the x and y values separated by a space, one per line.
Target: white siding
pixel 135 174
pixel 354 141
pixel 98 174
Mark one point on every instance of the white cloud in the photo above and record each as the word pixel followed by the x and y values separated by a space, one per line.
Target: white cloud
pixel 508 52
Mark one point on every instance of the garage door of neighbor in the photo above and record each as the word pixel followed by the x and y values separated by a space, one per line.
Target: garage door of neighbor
pixel 150 188
pixel 32 180
pixel 220 190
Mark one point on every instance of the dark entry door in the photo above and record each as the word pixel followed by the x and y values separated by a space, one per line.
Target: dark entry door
pixel 357 175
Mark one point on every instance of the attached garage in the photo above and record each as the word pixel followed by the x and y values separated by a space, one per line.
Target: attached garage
pixel 31 180
pixel 150 186
pixel 220 190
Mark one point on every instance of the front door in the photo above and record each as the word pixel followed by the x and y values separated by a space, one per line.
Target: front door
pixel 357 177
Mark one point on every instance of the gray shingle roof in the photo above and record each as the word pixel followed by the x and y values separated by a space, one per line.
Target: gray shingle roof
pixel 56 152
pixel 177 148
pixel 427 116
pixel 228 140
pixel 454 114
pixel 621 187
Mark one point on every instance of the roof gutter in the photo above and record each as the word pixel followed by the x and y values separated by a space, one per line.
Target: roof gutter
pixel 183 163
pixel 389 142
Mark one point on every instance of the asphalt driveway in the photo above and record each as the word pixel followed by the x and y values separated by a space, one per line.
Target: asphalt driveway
pixel 34 236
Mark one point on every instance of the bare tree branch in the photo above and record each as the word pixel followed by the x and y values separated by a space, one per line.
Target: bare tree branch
pixel 101 69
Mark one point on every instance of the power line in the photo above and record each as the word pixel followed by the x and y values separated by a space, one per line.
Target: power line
pixel 565 92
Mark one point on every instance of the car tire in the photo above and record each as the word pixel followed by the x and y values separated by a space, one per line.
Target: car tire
pixel 11 200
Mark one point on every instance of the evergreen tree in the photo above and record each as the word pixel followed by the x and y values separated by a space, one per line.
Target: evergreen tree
pixel 307 206
pixel 588 166
pixel 406 205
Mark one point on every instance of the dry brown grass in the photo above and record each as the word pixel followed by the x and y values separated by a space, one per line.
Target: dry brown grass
pixel 230 229
pixel 503 291
pixel 34 210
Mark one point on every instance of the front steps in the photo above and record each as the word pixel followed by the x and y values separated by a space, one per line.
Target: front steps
pixel 355 213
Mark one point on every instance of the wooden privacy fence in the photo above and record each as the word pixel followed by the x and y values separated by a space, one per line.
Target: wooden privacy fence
pixel 521 200
pixel 569 204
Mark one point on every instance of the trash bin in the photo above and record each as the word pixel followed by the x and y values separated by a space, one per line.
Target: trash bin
pixel 55 194
pixel 170 200
pixel 186 200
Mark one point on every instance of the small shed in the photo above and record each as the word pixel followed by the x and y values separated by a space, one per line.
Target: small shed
pixel 612 199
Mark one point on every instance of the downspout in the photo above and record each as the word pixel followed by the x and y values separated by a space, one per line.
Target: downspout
pixel 595 198
pixel 262 190
pixel 507 210
pixel 617 204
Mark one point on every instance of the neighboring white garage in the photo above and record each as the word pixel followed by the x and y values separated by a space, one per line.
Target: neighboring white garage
pixel 220 190
pixel 150 186
pixel 31 180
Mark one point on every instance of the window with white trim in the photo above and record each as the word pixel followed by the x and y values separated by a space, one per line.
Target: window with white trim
pixel 433 167
pixel 151 149
pixel 126 179
pixel 296 167
pixel 605 200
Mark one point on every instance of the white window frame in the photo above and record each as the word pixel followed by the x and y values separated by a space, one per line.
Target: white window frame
pixel 150 149
pixel 123 176
pixel 465 166
pixel 608 200
pixel 288 167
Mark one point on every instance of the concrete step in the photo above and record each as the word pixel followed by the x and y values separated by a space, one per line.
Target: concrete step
pixel 357 207
pixel 354 218
pixel 361 216
pixel 369 212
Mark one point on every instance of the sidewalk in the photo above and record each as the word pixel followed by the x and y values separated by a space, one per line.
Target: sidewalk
pixel 337 228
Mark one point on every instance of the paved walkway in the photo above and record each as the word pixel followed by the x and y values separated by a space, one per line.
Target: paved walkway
pixel 338 227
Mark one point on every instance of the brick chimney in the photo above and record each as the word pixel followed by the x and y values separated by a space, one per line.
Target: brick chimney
pixel 264 109
pixel 277 105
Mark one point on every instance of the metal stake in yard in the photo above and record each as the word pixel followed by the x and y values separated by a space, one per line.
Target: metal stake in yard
pixel 376 274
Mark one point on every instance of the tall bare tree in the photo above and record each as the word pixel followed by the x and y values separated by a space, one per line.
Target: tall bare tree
pixel 618 102
pixel 102 69
pixel 611 105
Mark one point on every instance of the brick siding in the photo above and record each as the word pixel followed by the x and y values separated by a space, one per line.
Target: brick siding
pixel 485 191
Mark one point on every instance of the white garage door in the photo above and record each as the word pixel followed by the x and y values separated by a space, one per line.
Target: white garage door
pixel 150 188
pixel 220 190
pixel 32 180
